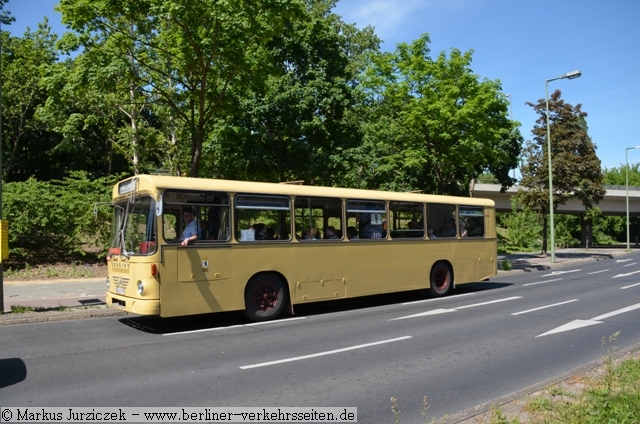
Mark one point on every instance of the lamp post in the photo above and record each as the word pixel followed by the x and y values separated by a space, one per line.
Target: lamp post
pixel 568 75
pixel 511 119
pixel 626 162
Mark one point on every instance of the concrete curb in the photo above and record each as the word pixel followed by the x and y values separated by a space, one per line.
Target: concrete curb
pixel 65 315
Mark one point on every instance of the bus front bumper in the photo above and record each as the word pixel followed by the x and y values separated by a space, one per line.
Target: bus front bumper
pixel 134 306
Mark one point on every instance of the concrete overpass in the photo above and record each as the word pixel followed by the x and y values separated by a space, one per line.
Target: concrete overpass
pixel 614 202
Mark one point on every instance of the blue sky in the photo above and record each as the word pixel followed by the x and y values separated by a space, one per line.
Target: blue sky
pixel 520 42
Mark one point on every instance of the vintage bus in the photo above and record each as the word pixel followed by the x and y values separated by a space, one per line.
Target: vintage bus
pixel 183 246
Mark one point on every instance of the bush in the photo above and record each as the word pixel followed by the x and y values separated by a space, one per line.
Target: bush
pixel 58 211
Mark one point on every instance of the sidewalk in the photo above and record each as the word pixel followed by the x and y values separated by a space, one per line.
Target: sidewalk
pixel 85 298
pixel 533 261
pixel 62 299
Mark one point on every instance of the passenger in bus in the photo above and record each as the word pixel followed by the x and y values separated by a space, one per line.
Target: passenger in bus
pixel 191 228
pixel 352 233
pixel 449 229
pixel 430 233
pixel 271 233
pixel 413 224
pixel 260 231
pixel 330 233
pixel 475 229
pixel 283 235
pixel 463 230
pixel 369 230
pixel 310 233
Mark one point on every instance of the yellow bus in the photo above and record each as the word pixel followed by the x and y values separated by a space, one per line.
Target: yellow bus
pixel 184 246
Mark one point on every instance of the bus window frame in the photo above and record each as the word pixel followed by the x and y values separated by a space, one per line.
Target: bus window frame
pixel 172 206
pixel 385 226
pixel 237 231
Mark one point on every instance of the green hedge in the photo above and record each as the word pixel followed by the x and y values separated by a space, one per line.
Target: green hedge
pixel 59 212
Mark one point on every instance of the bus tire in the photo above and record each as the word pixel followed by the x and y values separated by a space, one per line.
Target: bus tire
pixel 441 281
pixel 264 297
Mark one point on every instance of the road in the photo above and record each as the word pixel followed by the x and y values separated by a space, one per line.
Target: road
pixel 487 340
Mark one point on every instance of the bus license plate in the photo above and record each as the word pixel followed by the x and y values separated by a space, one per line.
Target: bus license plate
pixel 120 290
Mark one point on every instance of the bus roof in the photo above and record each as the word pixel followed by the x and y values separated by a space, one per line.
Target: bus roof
pixel 163 182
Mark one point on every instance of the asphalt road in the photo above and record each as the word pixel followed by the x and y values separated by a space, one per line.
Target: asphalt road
pixel 486 341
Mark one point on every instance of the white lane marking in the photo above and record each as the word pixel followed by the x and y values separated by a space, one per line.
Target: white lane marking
pixel 628 287
pixel 623 260
pixel 598 272
pixel 618 312
pixel 554 273
pixel 233 326
pixel 545 307
pixel 329 352
pixel 253 324
pixel 437 298
pixel 580 323
pixel 635 263
pixel 203 330
pixel 445 311
pixel 541 282
pixel 625 275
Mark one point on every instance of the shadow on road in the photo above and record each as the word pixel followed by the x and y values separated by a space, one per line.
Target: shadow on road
pixel 157 325
pixel 12 371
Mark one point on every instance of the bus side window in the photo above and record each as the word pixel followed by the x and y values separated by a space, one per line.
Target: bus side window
pixel 473 218
pixel 258 217
pixel 441 218
pixel 370 217
pixel 318 218
pixel 407 220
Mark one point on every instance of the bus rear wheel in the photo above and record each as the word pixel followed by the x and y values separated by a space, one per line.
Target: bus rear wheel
pixel 440 279
pixel 264 297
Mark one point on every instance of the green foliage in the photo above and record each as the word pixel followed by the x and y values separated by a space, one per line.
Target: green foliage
pixel 293 122
pixel 618 176
pixel 416 114
pixel 576 168
pixel 506 265
pixel 58 211
pixel 523 227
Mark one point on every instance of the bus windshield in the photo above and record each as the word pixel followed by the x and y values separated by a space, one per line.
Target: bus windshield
pixel 133 227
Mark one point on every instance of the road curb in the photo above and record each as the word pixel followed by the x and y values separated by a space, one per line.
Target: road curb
pixel 66 315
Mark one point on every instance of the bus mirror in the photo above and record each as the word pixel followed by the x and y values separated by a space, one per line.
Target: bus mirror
pixel 159 206
pixel 96 204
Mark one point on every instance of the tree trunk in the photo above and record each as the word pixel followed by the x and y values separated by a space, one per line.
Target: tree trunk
pixel 544 234
pixel 587 232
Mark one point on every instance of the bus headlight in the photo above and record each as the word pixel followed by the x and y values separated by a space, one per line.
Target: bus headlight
pixel 140 287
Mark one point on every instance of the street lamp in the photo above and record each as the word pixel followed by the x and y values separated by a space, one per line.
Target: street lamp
pixel 511 119
pixel 568 75
pixel 626 161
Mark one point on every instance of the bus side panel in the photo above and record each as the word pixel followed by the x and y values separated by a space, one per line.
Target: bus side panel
pixel 487 265
pixel 199 281
pixel 384 267
pixel 320 273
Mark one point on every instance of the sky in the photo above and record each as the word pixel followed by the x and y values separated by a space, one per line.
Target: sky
pixel 521 43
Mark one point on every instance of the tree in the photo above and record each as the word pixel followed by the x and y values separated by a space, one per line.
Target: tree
pixel 191 53
pixel 25 139
pixel 432 124
pixel 292 123
pixel 575 166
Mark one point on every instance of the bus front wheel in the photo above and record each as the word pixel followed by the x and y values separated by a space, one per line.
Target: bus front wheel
pixel 265 297
pixel 440 279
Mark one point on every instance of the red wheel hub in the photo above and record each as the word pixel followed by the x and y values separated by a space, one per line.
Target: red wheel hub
pixel 266 297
